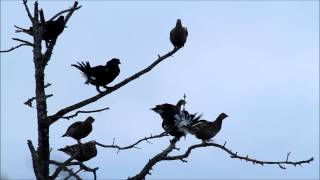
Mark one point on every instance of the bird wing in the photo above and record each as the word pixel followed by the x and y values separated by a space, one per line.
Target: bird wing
pixel 73 126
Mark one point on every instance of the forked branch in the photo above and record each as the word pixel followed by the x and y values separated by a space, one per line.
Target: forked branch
pixel 134 145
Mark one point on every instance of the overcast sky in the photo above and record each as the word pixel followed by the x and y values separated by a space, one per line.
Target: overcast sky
pixel 257 61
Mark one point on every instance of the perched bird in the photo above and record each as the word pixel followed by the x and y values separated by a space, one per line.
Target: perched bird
pixel 206 130
pixel 178 35
pixel 174 119
pixel 99 75
pixel 79 129
pixel 81 152
pixel 52 29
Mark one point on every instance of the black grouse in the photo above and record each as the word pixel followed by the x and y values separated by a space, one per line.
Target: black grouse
pixel 178 35
pixel 206 130
pixel 81 152
pixel 175 120
pixel 100 75
pixel 51 29
pixel 79 129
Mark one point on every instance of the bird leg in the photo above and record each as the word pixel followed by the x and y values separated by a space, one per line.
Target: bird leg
pixel 97 87
pixel 79 142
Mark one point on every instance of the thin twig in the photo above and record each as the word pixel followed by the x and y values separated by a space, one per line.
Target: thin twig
pixel 92 111
pixel 23 41
pixel 80 104
pixel 134 144
pixel 13 48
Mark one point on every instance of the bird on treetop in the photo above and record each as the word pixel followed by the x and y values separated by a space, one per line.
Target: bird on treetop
pixel 178 35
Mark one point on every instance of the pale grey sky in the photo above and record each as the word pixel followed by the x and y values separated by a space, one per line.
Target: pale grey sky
pixel 257 61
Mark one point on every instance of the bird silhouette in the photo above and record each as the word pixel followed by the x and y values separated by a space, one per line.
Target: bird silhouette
pixel 81 152
pixel 178 35
pixel 206 130
pixel 50 31
pixel 99 75
pixel 174 119
pixel 79 129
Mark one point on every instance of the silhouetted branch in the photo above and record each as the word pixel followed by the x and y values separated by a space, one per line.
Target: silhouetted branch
pixel 35 160
pixel 92 111
pixel 70 10
pixel 29 101
pixel 13 48
pixel 80 164
pixel 157 158
pixel 182 157
pixel 80 104
pixel 70 171
pixel 74 174
pixel 23 43
pixel 134 144
pixel 27 10
pixel 61 167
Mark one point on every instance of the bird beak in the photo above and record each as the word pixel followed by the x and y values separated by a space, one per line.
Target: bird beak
pixel 153 109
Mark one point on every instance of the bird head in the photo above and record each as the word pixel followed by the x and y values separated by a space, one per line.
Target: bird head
pixel 92 143
pixel 158 109
pixel 114 61
pixel 89 120
pixel 222 116
pixel 178 24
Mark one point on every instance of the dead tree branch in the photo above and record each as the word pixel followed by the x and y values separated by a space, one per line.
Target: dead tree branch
pixel 61 167
pixel 157 158
pixel 28 11
pixel 29 101
pixel 77 163
pixel 13 48
pixel 134 145
pixel 76 114
pixel 23 41
pixel 70 10
pixel 62 112
pixel 70 171
pixel 182 157
pixel 35 160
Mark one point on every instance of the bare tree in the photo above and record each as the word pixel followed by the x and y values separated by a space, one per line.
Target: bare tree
pixel 41 156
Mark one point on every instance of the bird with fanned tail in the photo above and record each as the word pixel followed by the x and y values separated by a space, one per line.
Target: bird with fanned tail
pixel 175 119
pixel 100 75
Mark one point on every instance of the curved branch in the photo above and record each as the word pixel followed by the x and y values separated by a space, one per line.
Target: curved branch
pixel 157 158
pixel 76 114
pixel 134 144
pixel 62 112
pixel 235 155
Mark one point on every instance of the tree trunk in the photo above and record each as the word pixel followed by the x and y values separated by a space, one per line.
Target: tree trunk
pixel 43 123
